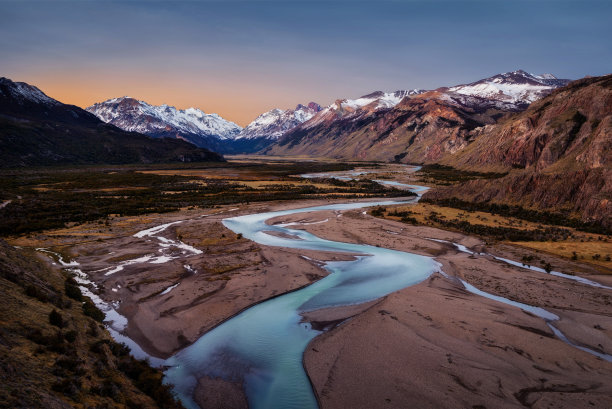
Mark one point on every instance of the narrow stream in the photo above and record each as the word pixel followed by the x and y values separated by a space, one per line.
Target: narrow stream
pixel 546 315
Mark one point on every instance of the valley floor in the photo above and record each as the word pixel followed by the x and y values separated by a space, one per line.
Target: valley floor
pixel 177 275
pixel 430 345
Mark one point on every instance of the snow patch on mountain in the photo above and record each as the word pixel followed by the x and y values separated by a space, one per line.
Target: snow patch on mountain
pixel 510 91
pixel 377 99
pixel 26 92
pixel 516 87
pixel 138 116
pixel 344 108
pixel 274 123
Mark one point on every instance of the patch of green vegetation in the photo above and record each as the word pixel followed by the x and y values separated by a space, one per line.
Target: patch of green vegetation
pixel 447 175
pixel 52 198
pixel 519 212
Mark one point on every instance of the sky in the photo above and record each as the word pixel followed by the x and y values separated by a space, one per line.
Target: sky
pixel 241 58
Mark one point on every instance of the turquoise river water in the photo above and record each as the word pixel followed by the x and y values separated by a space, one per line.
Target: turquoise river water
pixel 262 347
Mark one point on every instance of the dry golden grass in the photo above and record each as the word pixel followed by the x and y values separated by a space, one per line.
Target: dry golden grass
pixel 279 159
pixel 259 184
pixel 584 250
pixel 422 210
pixel 224 174
pixel 47 188
pixel 586 245
pixel 34 362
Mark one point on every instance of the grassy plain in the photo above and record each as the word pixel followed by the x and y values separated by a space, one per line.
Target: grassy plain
pixel 566 242
pixel 57 198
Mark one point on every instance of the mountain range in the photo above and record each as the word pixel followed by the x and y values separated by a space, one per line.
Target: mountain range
pixel 163 121
pixel 36 130
pixel 479 102
pixel 204 130
pixel 551 138
pixel 413 126
pixel 269 126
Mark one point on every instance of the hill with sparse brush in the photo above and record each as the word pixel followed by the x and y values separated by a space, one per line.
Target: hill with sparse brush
pixel 55 352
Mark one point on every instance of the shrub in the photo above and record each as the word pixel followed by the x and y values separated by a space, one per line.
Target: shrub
pixel 378 212
pixel 68 387
pixel 70 336
pixel 35 292
pixel 409 219
pixel 92 311
pixel 55 318
pixel 72 289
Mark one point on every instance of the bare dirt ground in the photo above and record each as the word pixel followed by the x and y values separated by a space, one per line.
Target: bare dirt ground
pixel 170 302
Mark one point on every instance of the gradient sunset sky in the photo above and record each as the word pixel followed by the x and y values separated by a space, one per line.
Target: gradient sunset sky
pixel 241 58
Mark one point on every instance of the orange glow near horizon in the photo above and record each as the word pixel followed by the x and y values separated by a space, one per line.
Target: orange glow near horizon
pixel 240 59
pixel 240 103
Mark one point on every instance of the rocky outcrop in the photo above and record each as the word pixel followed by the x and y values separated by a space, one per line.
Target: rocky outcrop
pixel 571 128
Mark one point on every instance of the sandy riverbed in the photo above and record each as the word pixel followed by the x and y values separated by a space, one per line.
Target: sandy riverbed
pixel 434 345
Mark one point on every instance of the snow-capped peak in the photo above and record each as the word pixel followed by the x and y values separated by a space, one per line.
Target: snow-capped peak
pixel 134 115
pixel 274 123
pixel 516 87
pixel 377 100
pixel 343 108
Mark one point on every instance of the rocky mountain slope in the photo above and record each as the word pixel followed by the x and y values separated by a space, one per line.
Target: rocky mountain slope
pixel 558 154
pixel 38 130
pixel 192 125
pixel 412 126
pixel 271 125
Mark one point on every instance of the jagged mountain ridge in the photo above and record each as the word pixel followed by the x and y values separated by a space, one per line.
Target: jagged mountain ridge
pixel 274 123
pixel 193 125
pixel 204 130
pixel 38 130
pixel 414 126
pixel 346 108
pixel 270 126
pixel 510 90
